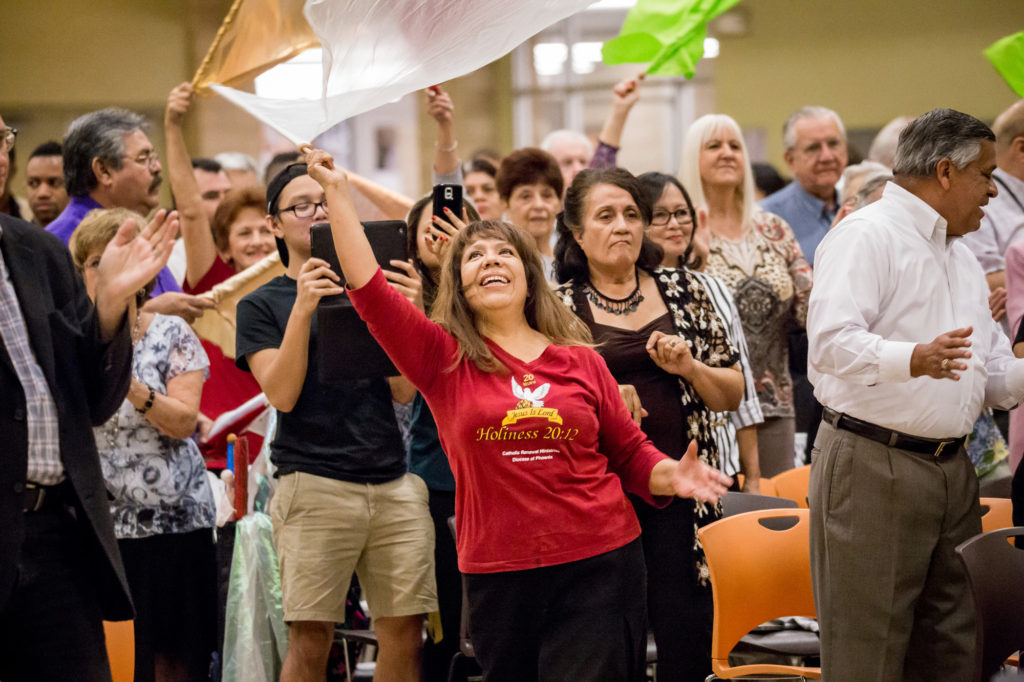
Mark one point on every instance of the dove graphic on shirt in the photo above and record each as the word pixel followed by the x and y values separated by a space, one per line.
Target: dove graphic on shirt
pixel 530 397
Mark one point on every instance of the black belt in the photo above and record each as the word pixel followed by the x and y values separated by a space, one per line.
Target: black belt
pixel 37 498
pixel 930 447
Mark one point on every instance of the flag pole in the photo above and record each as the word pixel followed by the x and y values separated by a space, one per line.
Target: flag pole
pixel 228 20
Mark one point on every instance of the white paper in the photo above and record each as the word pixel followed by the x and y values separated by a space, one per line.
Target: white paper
pixel 376 51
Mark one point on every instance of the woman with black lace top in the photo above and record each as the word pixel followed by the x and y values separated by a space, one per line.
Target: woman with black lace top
pixel 639 313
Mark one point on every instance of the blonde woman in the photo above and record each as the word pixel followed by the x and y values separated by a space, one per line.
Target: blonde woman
pixel 758 257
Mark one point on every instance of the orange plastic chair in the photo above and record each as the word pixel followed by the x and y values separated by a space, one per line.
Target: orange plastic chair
pixel 793 484
pixel 757 574
pixel 121 649
pixel 996 513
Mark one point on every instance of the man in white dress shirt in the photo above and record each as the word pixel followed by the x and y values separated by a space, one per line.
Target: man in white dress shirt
pixel 903 355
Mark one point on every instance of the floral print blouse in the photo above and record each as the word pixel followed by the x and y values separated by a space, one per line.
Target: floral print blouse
pixel 771 282
pixel 158 483
pixel 694 318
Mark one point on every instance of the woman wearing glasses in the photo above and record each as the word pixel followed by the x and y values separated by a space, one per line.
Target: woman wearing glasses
pixel 759 259
pixel 639 315
pixel 674 227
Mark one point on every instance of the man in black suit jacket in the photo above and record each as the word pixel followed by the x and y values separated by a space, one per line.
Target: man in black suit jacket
pixel 60 570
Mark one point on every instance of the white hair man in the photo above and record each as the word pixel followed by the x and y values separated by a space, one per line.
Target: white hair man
pixel 815 142
pixel 883 147
pixel 903 355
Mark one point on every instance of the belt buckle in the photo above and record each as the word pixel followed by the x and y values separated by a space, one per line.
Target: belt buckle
pixel 938 451
pixel 40 497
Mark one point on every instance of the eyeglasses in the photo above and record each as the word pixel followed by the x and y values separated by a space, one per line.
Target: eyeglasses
pixel 816 148
pixel 682 216
pixel 307 209
pixel 7 137
pixel 148 158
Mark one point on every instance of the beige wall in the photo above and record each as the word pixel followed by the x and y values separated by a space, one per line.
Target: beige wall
pixel 61 59
pixel 870 60
pixel 483 114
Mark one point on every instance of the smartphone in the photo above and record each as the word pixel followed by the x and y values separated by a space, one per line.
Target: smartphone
pixel 450 197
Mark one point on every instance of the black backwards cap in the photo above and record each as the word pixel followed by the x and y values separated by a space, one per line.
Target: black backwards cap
pixel 274 189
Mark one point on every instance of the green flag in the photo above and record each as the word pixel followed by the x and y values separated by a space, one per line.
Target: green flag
pixel 667 34
pixel 1007 55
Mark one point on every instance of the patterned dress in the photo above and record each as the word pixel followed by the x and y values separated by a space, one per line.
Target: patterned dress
pixel 771 282
pixel 158 483
pixel 694 318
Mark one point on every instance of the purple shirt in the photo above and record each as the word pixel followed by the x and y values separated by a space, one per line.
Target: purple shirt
pixel 73 214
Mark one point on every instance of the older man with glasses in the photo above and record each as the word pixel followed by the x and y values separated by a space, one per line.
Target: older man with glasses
pixel 904 355
pixel 110 162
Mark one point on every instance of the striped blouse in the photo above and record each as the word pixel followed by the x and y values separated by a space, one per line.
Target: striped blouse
pixel 726 424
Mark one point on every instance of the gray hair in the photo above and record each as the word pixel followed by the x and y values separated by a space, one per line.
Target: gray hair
pixel 237 161
pixel 856 172
pixel 789 135
pixel 556 136
pixel 939 134
pixel 883 147
pixel 97 135
pixel 869 187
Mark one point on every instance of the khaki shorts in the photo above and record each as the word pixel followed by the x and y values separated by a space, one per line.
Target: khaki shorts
pixel 325 529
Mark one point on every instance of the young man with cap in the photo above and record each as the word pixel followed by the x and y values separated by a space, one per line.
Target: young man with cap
pixel 345 500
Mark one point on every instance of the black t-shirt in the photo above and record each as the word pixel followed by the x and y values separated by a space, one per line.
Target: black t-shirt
pixel 344 430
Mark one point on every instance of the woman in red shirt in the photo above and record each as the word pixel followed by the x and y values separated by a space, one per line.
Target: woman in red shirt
pixel 541 447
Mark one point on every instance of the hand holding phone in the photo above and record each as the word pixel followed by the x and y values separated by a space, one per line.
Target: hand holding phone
pixel 447 196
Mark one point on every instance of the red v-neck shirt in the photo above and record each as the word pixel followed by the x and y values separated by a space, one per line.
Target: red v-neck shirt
pixel 540 455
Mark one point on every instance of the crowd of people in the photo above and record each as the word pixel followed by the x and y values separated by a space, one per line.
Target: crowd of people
pixel 587 357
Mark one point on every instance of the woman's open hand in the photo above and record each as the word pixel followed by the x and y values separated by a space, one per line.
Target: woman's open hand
pixel 444 231
pixel 693 478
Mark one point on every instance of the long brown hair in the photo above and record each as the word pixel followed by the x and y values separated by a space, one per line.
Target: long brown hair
pixel 544 312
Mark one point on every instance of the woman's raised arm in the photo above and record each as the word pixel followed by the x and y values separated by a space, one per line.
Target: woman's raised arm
pixel 354 253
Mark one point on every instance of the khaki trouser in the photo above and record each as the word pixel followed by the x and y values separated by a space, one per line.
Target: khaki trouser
pixel 891 594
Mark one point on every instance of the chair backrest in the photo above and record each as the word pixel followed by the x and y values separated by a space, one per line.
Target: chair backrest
pixel 739 503
pixel 995 571
pixel 760 570
pixel 120 637
pixel 996 512
pixel 793 484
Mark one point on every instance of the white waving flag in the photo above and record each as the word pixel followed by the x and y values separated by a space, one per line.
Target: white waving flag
pixel 376 51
